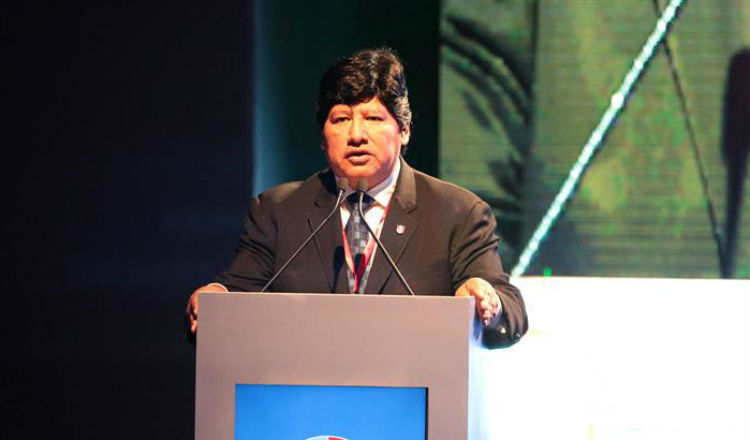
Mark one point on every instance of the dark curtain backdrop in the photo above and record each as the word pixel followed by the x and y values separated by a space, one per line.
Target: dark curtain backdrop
pixel 129 142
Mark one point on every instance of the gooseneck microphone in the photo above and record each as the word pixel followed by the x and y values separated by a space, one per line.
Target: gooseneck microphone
pixel 341 186
pixel 361 188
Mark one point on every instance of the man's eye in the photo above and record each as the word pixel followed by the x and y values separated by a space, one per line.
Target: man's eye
pixel 374 118
pixel 340 119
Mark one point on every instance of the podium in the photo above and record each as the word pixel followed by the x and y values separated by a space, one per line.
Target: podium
pixel 333 342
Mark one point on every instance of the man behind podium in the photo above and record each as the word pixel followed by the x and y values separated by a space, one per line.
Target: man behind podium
pixel 442 237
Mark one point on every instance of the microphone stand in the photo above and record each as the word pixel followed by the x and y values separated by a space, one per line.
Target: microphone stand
pixel 361 187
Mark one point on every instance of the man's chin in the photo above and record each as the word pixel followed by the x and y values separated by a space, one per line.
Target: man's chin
pixel 368 173
pixel 361 172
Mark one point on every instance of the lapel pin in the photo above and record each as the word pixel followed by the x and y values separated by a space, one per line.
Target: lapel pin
pixel 400 229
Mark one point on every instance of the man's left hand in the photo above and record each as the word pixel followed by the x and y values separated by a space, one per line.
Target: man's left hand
pixel 485 297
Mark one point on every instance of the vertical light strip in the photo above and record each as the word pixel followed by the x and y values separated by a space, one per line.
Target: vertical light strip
pixel 616 104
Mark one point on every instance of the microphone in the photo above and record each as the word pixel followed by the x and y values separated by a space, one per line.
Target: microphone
pixel 340 189
pixel 361 188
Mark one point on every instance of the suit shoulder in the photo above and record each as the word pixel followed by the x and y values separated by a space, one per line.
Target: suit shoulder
pixel 447 192
pixel 280 193
pixel 292 193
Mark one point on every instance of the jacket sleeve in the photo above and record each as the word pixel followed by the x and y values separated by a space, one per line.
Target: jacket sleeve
pixel 254 260
pixel 474 254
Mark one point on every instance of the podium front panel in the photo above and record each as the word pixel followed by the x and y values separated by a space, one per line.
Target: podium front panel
pixel 423 342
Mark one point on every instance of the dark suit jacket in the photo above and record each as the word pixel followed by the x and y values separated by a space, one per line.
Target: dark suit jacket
pixel 448 237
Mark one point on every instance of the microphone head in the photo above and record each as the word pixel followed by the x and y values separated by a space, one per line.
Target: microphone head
pixel 361 185
pixel 341 184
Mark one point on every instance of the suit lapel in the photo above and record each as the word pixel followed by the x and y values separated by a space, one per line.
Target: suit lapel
pixel 398 228
pixel 328 240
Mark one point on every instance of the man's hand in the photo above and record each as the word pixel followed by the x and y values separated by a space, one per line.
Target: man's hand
pixel 191 311
pixel 485 297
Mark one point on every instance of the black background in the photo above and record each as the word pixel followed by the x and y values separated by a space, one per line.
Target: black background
pixel 127 170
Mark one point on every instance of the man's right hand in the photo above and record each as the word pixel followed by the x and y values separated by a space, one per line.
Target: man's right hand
pixel 191 311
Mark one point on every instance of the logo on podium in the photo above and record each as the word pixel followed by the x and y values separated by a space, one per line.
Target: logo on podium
pixel 326 437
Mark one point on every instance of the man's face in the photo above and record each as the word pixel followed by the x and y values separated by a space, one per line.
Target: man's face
pixel 362 141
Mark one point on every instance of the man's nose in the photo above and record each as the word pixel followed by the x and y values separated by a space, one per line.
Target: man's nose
pixel 357 132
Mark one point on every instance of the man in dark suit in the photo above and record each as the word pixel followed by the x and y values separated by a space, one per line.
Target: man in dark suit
pixel 441 236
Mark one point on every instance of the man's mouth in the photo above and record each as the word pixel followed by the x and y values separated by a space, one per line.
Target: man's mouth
pixel 358 157
pixel 357 153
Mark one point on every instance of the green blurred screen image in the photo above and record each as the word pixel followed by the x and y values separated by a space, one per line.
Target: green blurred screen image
pixel 524 83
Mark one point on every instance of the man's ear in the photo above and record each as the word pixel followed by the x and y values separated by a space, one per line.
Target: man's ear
pixel 405 135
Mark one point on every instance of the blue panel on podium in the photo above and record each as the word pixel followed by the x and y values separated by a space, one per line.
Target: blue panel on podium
pixel 291 412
